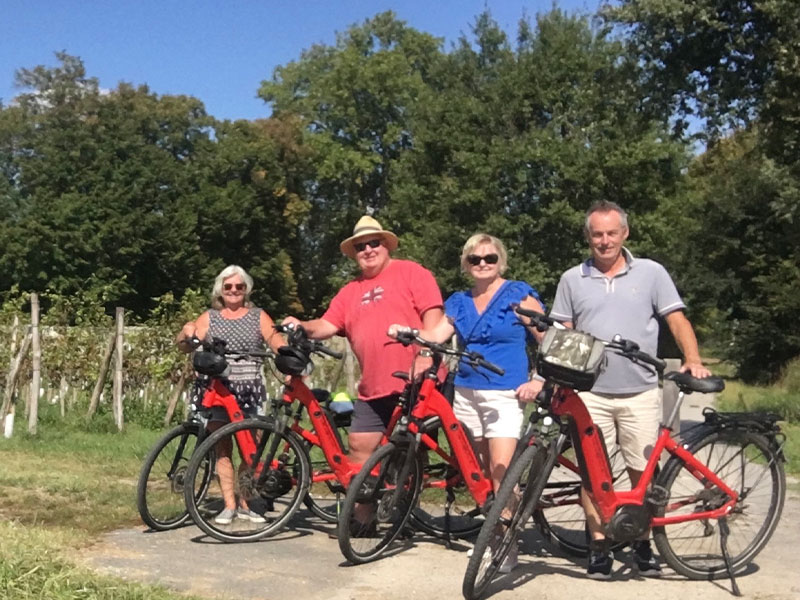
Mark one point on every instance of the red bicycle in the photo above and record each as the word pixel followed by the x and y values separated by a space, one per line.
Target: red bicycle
pixel 159 493
pixel 278 464
pixel 712 507
pixel 385 492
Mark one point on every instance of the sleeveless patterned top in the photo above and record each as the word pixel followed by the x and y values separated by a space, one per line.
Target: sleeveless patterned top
pixel 240 335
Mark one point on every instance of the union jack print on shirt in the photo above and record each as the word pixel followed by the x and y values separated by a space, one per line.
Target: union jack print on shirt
pixel 374 295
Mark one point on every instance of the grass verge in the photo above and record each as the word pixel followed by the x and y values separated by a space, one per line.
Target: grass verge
pixel 58 492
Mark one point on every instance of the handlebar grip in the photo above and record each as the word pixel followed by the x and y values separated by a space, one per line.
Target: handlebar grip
pixel 659 364
pixel 491 367
pixel 332 353
pixel 406 337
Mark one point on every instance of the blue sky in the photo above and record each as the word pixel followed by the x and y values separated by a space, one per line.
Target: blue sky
pixel 218 51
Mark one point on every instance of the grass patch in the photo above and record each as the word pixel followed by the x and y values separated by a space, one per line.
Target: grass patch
pixel 32 566
pixel 58 491
pixel 776 399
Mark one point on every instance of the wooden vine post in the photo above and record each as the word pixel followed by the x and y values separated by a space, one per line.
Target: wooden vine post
pixel 36 377
pixel 101 376
pixel 7 411
pixel 120 346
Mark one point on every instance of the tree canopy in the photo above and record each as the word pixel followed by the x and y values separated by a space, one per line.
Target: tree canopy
pixel 125 196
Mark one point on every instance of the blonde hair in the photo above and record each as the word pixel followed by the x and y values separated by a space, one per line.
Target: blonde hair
pixel 484 238
pixel 230 271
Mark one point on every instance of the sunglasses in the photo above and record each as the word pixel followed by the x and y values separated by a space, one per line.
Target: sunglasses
pixel 361 246
pixel 240 287
pixel 489 259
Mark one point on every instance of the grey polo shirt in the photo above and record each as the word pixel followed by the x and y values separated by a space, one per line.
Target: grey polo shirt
pixel 627 304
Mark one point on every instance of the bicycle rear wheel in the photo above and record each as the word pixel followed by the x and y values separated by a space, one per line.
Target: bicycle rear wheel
pixel 560 516
pixel 159 492
pixel 272 486
pixel 513 506
pixel 378 503
pixel 747 463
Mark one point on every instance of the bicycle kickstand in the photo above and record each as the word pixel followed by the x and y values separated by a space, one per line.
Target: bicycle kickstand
pixel 451 497
pixel 724 530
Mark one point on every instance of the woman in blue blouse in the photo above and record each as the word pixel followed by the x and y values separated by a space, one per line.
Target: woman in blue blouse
pixel 484 320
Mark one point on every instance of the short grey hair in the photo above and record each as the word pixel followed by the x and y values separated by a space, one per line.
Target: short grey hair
pixel 484 238
pixel 230 271
pixel 605 206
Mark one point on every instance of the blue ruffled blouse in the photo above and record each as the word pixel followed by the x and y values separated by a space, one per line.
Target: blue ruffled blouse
pixel 496 333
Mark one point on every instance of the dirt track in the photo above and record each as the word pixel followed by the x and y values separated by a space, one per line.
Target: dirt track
pixel 305 563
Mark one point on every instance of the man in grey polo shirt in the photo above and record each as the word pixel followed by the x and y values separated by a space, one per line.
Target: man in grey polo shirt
pixel 614 293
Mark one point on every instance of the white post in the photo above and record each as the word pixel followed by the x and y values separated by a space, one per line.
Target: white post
pixel 36 377
pixel 117 403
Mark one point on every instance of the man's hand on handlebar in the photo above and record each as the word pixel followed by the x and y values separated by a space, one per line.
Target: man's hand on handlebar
pixel 396 329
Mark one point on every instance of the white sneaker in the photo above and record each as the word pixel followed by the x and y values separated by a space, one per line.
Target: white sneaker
pixel 510 562
pixel 225 517
pixel 248 515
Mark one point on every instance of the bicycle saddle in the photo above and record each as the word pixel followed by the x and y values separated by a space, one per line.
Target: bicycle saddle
pixel 688 384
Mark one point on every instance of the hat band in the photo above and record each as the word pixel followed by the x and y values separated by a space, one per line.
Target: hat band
pixel 363 230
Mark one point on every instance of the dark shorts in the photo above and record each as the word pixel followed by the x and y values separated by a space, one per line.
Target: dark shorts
pixel 219 415
pixel 373 416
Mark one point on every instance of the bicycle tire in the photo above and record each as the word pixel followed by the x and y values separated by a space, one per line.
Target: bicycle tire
pixel 560 516
pixel 747 463
pixel 323 502
pixel 521 489
pixel 375 508
pixel 275 499
pixel 159 490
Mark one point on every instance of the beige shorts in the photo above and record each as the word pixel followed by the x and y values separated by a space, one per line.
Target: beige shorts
pixel 489 413
pixel 630 420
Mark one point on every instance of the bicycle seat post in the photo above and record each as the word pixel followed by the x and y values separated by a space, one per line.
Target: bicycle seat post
pixel 675 411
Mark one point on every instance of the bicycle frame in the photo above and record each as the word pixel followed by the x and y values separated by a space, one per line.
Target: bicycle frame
pixel 322 433
pixel 596 475
pixel 431 403
pixel 218 395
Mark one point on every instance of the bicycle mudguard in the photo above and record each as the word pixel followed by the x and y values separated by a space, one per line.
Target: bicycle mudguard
pixel 762 423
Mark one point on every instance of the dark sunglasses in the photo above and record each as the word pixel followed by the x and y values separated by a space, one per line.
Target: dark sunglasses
pixel 361 246
pixel 240 287
pixel 489 259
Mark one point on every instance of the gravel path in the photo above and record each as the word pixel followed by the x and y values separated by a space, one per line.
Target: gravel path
pixel 305 563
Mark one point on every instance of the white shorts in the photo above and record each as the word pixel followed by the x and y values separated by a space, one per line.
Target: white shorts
pixel 489 413
pixel 631 420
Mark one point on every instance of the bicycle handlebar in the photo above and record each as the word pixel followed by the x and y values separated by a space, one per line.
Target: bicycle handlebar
pixel 627 348
pixel 474 359
pixel 217 346
pixel 298 338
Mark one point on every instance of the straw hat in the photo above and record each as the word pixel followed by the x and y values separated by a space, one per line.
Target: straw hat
pixel 368 227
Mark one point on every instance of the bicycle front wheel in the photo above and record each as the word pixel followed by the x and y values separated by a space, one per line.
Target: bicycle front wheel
pixel 747 463
pixel 513 506
pixel 159 492
pixel 266 490
pixel 379 500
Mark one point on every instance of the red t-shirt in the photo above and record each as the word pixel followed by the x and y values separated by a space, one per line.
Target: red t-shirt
pixel 363 310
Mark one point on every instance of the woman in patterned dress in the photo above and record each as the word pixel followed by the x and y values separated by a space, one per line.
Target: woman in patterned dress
pixel 244 327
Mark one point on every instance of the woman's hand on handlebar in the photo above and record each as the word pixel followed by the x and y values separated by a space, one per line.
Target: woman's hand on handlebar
pixel 528 391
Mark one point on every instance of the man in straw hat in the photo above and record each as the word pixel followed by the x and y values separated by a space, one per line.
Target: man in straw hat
pixel 387 291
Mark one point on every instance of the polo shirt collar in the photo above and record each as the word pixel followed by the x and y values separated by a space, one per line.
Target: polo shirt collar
pixel 588 269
